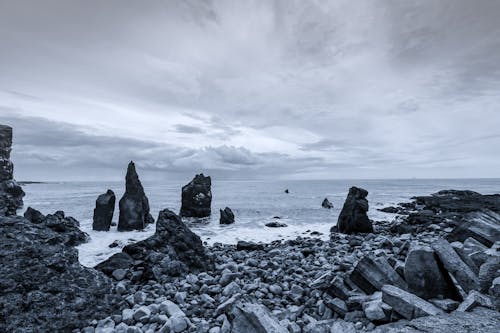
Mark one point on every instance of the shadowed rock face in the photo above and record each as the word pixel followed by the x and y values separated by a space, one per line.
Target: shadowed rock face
pixel 226 216
pixel 134 205
pixel 353 218
pixel 173 250
pixel 103 212
pixel 197 197
pixel 11 194
pixel 43 288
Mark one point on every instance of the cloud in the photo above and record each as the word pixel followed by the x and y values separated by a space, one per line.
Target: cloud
pixel 298 88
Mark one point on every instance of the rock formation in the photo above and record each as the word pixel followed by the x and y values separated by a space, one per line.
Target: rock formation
pixel 66 228
pixel 134 205
pixel 173 250
pixel 353 218
pixel 11 193
pixel 103 211
pixel 43 286
pixel 197 197
pixel 326 204
pixel 226 216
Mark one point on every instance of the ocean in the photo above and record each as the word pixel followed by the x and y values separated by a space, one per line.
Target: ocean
pixel 254 204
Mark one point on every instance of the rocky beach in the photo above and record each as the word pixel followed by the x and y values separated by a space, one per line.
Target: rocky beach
pixel 435 267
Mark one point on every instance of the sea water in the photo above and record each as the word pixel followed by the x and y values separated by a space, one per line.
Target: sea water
pixel 254 204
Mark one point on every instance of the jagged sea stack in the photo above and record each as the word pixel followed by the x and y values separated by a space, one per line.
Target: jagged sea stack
pixel 197 197
pixel 353 218
pixel 11 193
pixel 326 204
pixel 134 205
pixel 226 216
pixel 103 212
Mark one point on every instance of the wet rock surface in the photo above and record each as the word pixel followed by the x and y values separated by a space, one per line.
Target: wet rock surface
pixel 103 211
pixel 134 205
pixel 326 204
pixel 11 193
pixel 197 197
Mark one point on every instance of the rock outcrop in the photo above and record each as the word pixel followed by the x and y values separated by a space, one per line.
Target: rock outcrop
pixel 103 211
pixel 197 197
pixel 134 205
pixel 172 251
pixel 353 218
pixel 226 216
pixel 66 228
pixel 43 288
pixel 11 193
pixel 326 204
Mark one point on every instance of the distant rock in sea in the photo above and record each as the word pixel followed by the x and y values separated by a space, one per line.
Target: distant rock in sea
pixel 326 204
pixel 197 197
pixel 134 205
pixel 11 193
pixel 353 218
pixel 103 211
pixel 226 216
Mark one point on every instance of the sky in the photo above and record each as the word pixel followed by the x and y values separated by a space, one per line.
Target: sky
pixel 284 89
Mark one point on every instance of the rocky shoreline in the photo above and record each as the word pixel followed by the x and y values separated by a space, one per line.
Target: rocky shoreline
pixel 434 268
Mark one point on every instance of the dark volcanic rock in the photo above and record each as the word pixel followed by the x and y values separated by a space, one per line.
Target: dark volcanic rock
pixel 134 205
pixel 34 215
pixel 326 204
pixel 425 275
pixel 248 246
pixel 43 288
pixel 391 210
pixel 197 197
pixel 483 226
pixel 116 261
pixel 11 193
pixel 67 228
pixel 226 216
pixel 172 250
pixel 353 218
pixel 459 201
pixel 371 274
pixel 276 224
pixel 103 211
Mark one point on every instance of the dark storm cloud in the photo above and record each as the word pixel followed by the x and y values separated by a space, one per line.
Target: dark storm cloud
pixel 286 87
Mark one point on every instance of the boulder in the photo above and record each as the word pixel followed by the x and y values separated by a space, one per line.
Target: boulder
pixel 406 304
pixel 246 317
pixel 103 211
pixel 43 286
pixel 226 216
pixel 473 300
pixel 134 205
pixel 116 261
pixel 173 250
pixel 353 218
pixel 371 274
pixel 452 262
pixel 426 277
pixel 34 215
pixel 197 197
pixel 276 224
pixel 11 193
pixel 326 204
pixel 488 272
pixel 248 246
pixel 483 226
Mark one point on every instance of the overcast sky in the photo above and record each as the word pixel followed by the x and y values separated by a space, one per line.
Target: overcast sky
pixel 242 89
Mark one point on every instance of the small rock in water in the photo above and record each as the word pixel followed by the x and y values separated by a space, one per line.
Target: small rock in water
pixel 276 224
pixel 326 204
pixel 226 216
